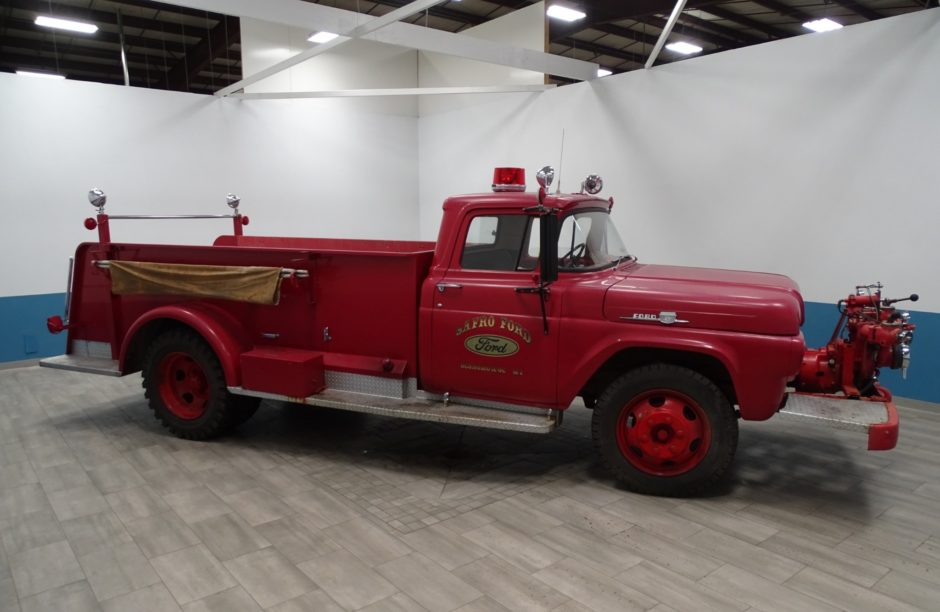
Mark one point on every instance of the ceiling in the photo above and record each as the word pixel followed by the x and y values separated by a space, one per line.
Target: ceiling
pixel 170 47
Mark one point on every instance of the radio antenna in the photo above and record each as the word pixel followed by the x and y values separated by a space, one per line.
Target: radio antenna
pixel 561 158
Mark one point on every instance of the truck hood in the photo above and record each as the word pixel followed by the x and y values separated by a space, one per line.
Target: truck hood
pixel 703 298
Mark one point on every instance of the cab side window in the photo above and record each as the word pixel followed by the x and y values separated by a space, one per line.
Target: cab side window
pixel 499 242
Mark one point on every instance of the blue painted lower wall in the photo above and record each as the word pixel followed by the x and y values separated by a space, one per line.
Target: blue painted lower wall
pixel 923 377
pixel 23 335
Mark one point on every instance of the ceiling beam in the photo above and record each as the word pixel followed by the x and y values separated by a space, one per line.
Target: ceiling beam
pixel 172 8
pixel 440 11
pixel 667 30
pixel 860 9
pixel 79 40
pixel 628 33
pixel 785 10
pixel 611 11
pixel 709 37
pixel 97 17
pixel 597 49
pixel 319 17
pixel 216 42
pixel 39 47
pixel 723 31
pixel 28 61
pixel 747 22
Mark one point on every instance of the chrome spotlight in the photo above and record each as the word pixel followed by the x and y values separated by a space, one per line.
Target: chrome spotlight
pixel 98 199
pixel 545 176
pixel 233 201
pixel 592 184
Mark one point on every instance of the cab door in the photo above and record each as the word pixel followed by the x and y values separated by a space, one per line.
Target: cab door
pixel 488 338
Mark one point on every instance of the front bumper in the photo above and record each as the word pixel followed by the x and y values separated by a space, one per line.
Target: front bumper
pixel 876 417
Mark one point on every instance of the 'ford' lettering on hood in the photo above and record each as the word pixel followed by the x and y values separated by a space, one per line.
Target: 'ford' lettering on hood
pixel 749 302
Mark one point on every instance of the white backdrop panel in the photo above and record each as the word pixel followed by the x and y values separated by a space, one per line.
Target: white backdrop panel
pixel 301 167
pixel 814 156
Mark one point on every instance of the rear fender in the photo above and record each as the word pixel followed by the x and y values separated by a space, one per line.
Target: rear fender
pixel 216 326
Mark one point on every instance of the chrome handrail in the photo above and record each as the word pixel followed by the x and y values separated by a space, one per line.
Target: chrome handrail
pixel 172 216
pixel 104 264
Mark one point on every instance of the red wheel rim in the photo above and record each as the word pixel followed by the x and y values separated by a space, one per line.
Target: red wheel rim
pixel 183 386
pixel 663 432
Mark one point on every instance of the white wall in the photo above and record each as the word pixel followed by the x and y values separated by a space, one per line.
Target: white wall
pixel 814 156
pixel 301 167
pixel 357 64
pixel 524 28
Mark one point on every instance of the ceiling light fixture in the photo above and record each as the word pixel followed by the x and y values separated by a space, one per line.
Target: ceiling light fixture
pixel 556 11
pixel 40 75
pixel 66 24
pixel 822 25
pixel 684 48
pixel 602 72
pixel 322 37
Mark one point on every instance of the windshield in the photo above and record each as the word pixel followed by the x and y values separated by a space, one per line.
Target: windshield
pixel 589 240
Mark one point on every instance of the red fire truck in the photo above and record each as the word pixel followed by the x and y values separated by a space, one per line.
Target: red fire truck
pixel 526 302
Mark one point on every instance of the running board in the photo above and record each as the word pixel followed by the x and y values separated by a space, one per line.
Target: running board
pixel 877 418
pixel 88 365
pixel 422 409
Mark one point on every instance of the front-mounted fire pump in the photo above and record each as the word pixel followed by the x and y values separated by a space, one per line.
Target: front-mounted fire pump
pixel 871 334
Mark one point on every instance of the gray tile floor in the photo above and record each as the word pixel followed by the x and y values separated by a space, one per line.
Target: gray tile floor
pixel 307 509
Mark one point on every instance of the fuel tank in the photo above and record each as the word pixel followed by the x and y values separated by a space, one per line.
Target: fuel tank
pixel 705 298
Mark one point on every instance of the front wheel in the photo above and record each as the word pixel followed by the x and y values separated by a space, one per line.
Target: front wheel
pixel 665 430
pixel 186 389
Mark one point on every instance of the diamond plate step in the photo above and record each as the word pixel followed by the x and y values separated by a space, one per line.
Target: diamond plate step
pixel 876 418
pixel 424 409
pixel 88 365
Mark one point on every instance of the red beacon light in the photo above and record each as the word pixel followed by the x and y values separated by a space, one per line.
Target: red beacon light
pixel 509 179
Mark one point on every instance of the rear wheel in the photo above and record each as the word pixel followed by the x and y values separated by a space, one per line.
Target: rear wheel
pixel 186 389
pixel 665 430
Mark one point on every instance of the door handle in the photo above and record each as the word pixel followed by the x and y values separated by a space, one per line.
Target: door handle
pixel 442 287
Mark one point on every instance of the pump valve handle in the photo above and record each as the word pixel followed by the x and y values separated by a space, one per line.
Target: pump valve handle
pixel 912 297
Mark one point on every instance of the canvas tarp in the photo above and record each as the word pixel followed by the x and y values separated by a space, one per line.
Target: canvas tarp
pixel 255 284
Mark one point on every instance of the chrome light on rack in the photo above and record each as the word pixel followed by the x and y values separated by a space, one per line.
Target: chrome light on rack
pixel 592 184
pixel 545 177
pixel 98 199
pixel 903 358
pixel 233 201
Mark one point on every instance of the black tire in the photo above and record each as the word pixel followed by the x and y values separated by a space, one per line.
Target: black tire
pixel 185 387
pixel 665 430
pixel 244 407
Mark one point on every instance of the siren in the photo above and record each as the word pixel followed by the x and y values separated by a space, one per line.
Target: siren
pixel 509 179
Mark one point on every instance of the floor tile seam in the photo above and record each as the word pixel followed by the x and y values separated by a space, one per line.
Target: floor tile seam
pixel 172 594
pixel 914 578
pixel 61 586
pixel 535 575
pixel 780 584
pixel 74 556
pixel 832 579
pixel 815 564
pixel 718 594
pixel 731 514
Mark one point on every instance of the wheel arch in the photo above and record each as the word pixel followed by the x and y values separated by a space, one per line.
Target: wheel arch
pixel 218 328
pixel 630 358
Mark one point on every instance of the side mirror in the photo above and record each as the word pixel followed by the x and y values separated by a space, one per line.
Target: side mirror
pixel 548 247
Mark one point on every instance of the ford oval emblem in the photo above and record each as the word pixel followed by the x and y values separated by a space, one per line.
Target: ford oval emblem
pixel 491 346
